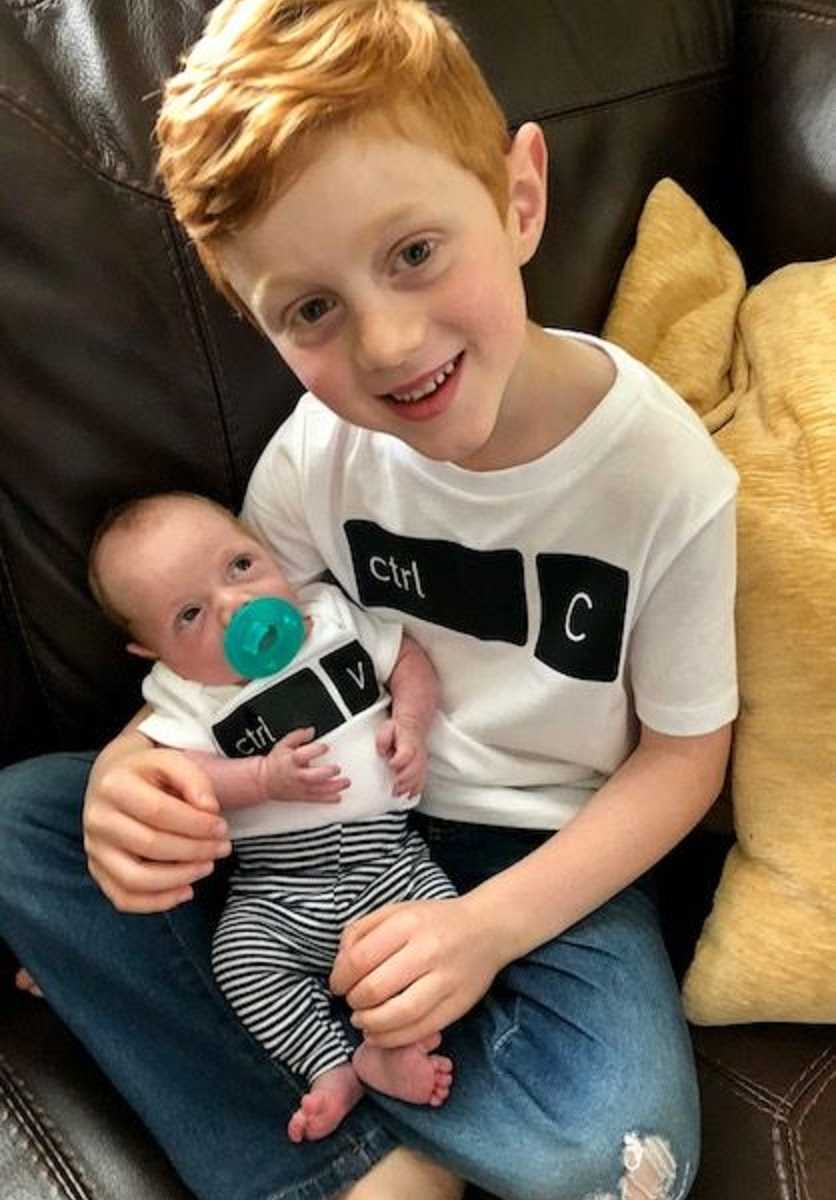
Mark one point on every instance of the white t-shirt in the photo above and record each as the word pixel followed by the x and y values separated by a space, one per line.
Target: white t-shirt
pixel 333 683
pixel 561 601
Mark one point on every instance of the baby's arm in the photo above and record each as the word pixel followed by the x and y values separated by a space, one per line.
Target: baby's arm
pixel 413 686
pixel 286 773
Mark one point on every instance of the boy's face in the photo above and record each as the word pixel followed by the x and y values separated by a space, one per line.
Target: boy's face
pixel 389 284
pixel 178 577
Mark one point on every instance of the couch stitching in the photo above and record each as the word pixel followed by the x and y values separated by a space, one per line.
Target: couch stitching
pixel 799 1166
pixel 192 300
pixel 744 1085
pixel 799 1085
pixel 39 121
pixel 216 369
pixel 780 1163
pixel 41 1140
pixel 686 83
pixel 797 1134
pixel 777 11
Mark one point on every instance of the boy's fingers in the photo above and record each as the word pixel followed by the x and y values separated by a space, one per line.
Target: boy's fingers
pixel 134 886
pixel 123 832
pixel 146 803
pixel 363 947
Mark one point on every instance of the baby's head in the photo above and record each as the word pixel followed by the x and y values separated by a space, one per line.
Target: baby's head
pixel 271 78
pixel 170 570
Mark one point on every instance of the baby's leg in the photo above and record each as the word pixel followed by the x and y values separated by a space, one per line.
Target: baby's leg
pixel 409 1073
pixel 276 986
pixel 332 1096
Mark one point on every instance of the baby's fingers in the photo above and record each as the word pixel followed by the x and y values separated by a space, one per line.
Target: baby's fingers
pixel 304 755
pixel 296 737
pixel 324 784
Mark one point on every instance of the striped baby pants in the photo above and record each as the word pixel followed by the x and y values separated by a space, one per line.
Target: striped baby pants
pixel 291 895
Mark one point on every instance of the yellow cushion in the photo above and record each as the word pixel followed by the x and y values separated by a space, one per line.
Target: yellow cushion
pixel 760 368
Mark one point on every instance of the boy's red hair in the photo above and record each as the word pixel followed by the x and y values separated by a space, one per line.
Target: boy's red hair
pixel 241 118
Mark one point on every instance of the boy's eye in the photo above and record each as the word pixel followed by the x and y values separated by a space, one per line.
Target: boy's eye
pixel 314 310
pixel 416 252
pixel 188 615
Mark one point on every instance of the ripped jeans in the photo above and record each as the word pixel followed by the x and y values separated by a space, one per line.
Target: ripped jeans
pixel 574 1077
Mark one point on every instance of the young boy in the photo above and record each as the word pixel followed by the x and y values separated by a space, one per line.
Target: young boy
pixel 172 570
pixel 537 506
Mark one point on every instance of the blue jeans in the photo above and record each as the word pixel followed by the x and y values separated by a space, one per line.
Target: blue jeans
pixel 577 1046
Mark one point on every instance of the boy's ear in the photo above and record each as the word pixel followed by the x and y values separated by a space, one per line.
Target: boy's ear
pixel 141 651
pixel 528 162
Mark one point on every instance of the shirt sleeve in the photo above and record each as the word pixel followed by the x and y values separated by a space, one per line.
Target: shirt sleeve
pixel 178 719
pixel 682 654
pixel 274 506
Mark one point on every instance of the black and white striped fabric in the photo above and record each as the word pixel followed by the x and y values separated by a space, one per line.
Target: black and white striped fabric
pixel 291 896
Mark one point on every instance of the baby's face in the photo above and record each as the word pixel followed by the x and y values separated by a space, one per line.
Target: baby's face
pixel 179 578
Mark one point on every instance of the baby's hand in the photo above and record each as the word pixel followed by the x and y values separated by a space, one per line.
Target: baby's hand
pixel 406 751
pixel 287 772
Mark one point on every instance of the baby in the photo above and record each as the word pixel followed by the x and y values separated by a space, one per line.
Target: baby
pixel 319 840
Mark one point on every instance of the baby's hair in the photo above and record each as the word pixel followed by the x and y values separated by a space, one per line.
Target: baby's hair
pixel 122 518
pixel 239 121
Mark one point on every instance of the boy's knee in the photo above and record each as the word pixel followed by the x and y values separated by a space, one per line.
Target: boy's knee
pixel 621 1166
pixel 649 1172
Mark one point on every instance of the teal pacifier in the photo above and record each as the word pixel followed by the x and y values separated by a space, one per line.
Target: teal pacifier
pixel 263 636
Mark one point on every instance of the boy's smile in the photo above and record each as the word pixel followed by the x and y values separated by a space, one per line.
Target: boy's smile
pixel 390 286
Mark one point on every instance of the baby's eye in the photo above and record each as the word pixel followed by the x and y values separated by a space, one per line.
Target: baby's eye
pixel 188 615
pixel 416 253
pixel 314 310
pixel 242 564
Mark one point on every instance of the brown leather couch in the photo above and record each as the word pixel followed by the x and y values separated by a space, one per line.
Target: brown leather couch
pixel 121 371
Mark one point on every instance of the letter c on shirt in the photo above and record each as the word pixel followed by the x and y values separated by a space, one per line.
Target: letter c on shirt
pixel 567 626
pixel 375 565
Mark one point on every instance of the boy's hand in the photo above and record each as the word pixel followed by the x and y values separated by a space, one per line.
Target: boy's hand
pixel 410 969
pixel 405 749
pixel 288 773
pixel 151 829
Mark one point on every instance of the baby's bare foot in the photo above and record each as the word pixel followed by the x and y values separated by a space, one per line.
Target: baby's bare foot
pixel 26 983
pixel 332 1095
pixel 409 1073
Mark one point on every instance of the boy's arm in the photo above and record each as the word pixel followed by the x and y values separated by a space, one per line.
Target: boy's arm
pixel 413 686
pixel 145 847
pixel 446 960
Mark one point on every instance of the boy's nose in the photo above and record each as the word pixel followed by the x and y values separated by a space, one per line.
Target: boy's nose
pixel 388 336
